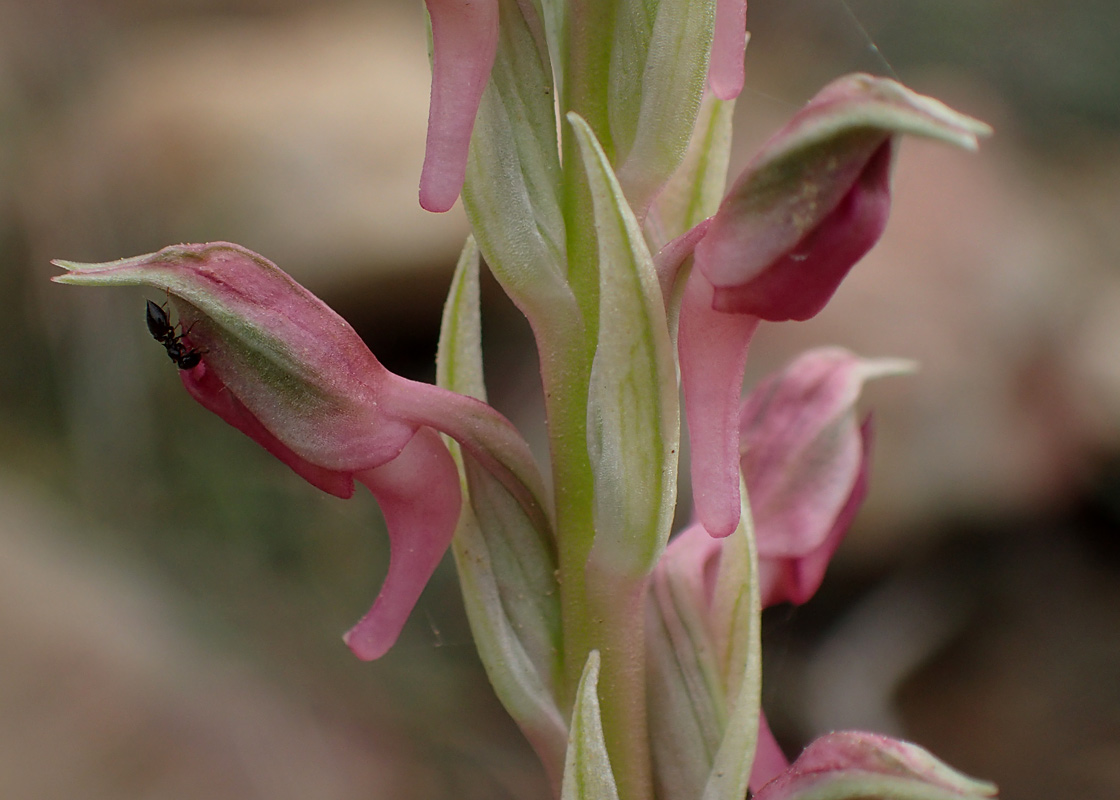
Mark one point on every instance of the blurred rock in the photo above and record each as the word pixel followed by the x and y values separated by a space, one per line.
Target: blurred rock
pixel 299 135
pixel 103 696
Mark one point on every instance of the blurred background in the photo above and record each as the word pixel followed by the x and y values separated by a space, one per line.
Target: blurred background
pixel 171 599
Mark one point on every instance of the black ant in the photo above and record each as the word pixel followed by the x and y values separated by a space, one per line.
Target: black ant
pixel 159 325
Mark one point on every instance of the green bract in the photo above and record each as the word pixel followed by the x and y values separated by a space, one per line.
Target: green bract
pixel 632 414
pixel 507 566
pixel 587 769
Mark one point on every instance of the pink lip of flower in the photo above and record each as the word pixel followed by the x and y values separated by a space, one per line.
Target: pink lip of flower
pixel 464 44
pixel 729 43
pixel 283 368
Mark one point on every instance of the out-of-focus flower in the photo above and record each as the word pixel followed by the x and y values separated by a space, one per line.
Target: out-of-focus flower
pixel 851 765
pixel 279 365
pixel 804 458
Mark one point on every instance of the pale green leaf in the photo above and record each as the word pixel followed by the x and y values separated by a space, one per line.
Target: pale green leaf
pixel 695 190
pixel 687 700
pixel 514 624
pixel 459 357
pixel 506 563
pixel 704 665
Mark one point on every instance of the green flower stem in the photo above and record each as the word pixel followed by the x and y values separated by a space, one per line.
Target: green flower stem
pixel 617 607
pixel 566 355
pixel 587 65
pixel 565 373
pixel 582 244
pixel 600 610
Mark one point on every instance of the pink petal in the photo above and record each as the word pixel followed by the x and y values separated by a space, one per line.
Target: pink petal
pixel 798 284
pixel 674 254
pixel 419 495
pixel 713 354
pixel 205 387
pixel 801 449
pixel 817 196
pixel 729 45
pixel 464 43
pixel 795 580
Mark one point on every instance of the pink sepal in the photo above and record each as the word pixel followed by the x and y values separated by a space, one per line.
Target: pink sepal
pixel 205 387
pixel 801 450
pixel 849 758
pixel 729 46
pixel 816 197
pixel 799 283
pixel 670 258
pixel 295 365
pixel 419 496
pixel 796 578
pixel 464 43
pixel 713 354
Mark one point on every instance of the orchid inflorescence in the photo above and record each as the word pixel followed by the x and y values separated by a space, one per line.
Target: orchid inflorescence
pixel 588 141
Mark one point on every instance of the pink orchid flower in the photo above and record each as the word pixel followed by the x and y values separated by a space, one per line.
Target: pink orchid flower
pixel 852 764
pixel 817 196
pixel 279 365
pixel 804 461
pixel 464 44
pixel 806 209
